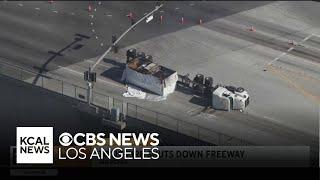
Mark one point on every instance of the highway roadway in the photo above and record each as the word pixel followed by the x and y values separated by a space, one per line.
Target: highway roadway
pixel 32 33
pixel 285 95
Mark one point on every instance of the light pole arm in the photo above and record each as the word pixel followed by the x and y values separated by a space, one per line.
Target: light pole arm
pixel 123 34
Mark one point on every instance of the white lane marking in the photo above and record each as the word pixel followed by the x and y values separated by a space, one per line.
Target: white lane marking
pixel 107 82
pixel 55 11
pixel 99 64
pixel 20 4
pixel 98 79
pixel 290 49
pixel 316 35
pixel 162 11
pixel 177 8
pixel 193 110
pixel 191 4
pixel 71 70
pixel 72 13
pixel 210 115
pixel 37 9
pixel 306 38
pixel 109 15
pixel 267 117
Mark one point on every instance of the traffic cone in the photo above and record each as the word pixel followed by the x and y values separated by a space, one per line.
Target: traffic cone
pixel 200 21
pixel 130 15
pixel 182 20
pixel 252 29
pixel 89 8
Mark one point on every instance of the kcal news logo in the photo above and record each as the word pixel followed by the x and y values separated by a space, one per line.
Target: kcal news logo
pixel 34 145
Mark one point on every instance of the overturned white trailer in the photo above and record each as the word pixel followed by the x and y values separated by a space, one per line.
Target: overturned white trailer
pixel 151 76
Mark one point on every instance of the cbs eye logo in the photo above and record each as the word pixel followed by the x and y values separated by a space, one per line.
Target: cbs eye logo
pixel 65 139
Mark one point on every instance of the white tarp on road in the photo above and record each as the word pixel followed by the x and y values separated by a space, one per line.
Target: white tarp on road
pixel 138 93
pixel 133 92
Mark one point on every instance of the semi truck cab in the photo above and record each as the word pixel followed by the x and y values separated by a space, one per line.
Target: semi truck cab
pixel 229 98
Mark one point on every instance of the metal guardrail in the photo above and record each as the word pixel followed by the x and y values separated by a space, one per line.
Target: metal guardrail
pixel 132 110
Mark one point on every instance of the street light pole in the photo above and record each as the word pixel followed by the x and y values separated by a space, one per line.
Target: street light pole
pixel 90 76
pixel 89 92
pixel 123 34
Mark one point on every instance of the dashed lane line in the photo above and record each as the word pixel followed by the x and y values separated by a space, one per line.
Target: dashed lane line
pixel 99 64
pixel 290 49
pixel 316 35
pixel 287 79
pixel 194 110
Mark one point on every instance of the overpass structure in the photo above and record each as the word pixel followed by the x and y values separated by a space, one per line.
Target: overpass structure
pixel 270 49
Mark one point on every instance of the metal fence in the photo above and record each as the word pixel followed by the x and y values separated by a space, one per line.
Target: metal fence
pixel 132 110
